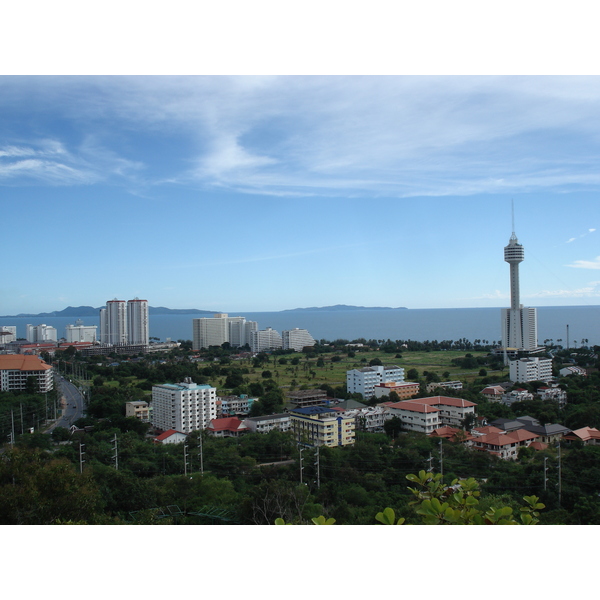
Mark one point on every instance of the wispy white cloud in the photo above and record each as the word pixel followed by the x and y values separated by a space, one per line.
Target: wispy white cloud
pixel 590 291
pixel 591 230
pixel 586 264
pixel 50 162
pixel 393 136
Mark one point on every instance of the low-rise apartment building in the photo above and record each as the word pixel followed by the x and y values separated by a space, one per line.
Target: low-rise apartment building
pixel 266 423
pixel 17 369
pixel 139 409
pixel 405 390
pixel 415 416
pixel 228 406
pixel 363 381
pixel 322 426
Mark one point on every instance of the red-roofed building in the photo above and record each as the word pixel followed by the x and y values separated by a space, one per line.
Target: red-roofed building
pixel 453 411
pixel 226 427
pixel 415 416
pixel 171 437
pixel 452 434
pixel 504 445
pixel 590 436
pixel 16 369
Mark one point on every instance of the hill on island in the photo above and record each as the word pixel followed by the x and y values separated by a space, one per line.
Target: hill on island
pixel 90 311
pixel 342 307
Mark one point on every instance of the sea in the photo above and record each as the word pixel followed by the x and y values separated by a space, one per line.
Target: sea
pixel 395 324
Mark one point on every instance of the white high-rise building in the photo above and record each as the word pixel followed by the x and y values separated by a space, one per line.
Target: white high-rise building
pixel 183 406
pixel 137 321
pixel 41 333
pixel 113 322
pixel 265 339
pixel 519 324
pixel 296 339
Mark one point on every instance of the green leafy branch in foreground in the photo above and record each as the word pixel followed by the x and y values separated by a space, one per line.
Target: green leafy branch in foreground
pixel 454 504
pixel 458 502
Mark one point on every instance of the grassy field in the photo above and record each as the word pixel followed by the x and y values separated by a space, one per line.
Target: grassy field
pixel 307 373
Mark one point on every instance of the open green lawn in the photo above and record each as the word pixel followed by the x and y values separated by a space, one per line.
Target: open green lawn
pixel 307 373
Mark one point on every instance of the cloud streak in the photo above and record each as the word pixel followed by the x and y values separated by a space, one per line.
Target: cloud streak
pixel 330 136
pixel 586 264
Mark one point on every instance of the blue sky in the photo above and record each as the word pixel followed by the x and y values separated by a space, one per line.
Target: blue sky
pixel 267 193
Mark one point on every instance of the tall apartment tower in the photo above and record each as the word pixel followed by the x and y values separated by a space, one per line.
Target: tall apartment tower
pixel 137 321
pixel 214 331
pixel 113 322
pixel 519 324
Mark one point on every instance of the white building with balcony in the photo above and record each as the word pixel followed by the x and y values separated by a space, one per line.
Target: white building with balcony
pixel 415 416
pixel 183 406
pixel 363 381
pixel 528 369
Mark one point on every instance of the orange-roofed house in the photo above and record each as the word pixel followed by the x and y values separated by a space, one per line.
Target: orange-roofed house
pixel 453 411
pixel 452 434
pixel 590 436
pixel 16 369
pixel 504 445
pixel 226 427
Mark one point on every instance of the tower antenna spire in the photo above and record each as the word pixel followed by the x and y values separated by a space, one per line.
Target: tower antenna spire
pixel 512 206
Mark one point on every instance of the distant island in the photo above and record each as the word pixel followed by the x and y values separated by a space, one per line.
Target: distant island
pixel 342 307
pixel 90 311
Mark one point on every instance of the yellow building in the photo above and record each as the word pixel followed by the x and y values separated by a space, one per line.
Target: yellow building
pixel 322 426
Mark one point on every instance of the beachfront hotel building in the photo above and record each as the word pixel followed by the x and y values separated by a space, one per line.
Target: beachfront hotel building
pixel 80 332
pixel 296 339
pixel 221 328
pixel 40 333
pixel 183 406
pixel 265 339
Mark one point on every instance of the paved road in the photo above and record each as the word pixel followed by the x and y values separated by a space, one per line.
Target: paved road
pixel 72 404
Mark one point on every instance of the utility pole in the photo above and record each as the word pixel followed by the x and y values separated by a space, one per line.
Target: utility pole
pixel 21 407
pixel 441 459
pixel 545 471
pixel 430 469
pixel 317 465
pixel 559 477
pixel 200 456
pixel 301 467
pixel 12 436
pixel 116 455
pixel 185 459
pixel 81 459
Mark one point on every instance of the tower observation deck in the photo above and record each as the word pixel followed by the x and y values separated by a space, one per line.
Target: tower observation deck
pixel 519 324
pixel 513 255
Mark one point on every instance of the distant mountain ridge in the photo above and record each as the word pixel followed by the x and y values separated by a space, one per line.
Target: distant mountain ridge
pixel 342 307
pixel 90 311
